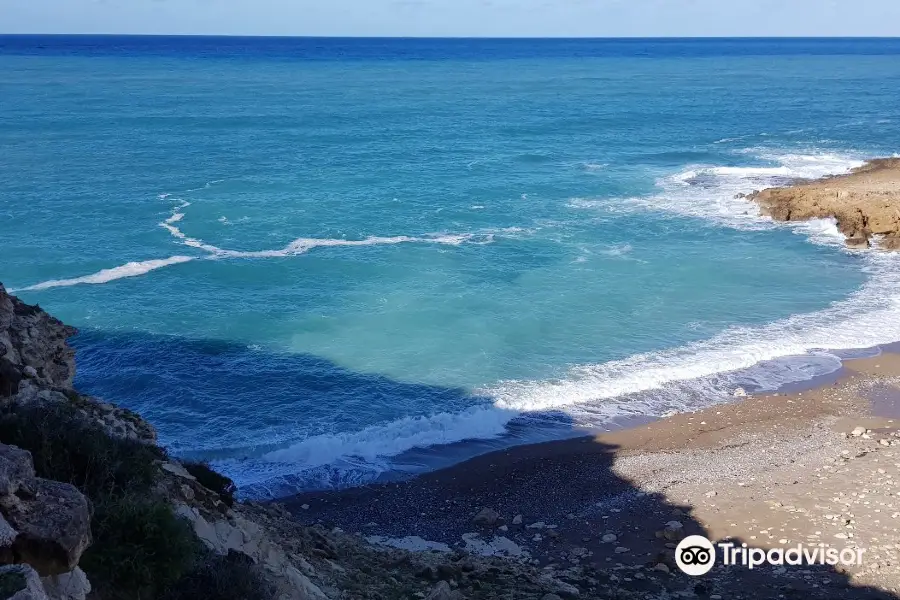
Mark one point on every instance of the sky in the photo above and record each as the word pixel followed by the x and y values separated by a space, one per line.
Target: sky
pixel 454 18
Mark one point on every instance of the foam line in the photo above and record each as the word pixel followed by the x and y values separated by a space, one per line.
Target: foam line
pixel 132 269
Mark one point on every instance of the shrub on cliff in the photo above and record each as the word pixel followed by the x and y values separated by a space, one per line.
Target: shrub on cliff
pixel 65 448
pixel 231 577
pixel 212 480
pixel 140 548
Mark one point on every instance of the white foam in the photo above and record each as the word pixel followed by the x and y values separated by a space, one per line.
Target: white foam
pixel 617 250
pixel 390 439
pixel 869 317
pixel 674 380
pixel 715 193
pixel 132 269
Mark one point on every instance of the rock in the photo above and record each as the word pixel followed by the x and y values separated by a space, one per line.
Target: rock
pixel 561 588
pixel 609 538
pixel 442 591
pixel 621 550
pixel 858 431
pixel 16 471
pixel 33 342
pixel 68 586
pixel 486 517
pixel 187 492
pixel 673 531
pixel 662 567
pixel 177 469
pixel 49 520
pixel 24 580
pixel 710 494
pixel 503 528
pixel 862 203
pixel 550 597
pixel 54 527
pixel 517 520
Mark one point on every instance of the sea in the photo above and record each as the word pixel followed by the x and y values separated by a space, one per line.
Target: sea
pixel 321 263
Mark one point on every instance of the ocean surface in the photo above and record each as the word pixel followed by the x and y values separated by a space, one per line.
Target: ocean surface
pixel 324 262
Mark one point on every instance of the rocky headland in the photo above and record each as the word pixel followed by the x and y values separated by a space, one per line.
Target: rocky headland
pixel 865 203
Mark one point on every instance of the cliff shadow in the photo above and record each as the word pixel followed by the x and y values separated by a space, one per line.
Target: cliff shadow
pixel 562 503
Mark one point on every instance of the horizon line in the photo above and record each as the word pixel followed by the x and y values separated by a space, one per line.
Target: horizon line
pixel 455 37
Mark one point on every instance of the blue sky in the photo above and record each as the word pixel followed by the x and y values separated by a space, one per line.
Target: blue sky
pixel 456 17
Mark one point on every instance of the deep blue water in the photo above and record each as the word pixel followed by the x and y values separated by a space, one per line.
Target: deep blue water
pixel 321 261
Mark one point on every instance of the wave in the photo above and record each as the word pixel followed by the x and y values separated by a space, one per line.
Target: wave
pixel 390 439
pixel 672 380
pixel 869 317
pixel 654 384
pixel 716 193
pixel 297 247
pixel 131 269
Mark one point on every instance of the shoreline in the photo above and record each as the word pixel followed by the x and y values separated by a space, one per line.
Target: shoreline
pixel 761 469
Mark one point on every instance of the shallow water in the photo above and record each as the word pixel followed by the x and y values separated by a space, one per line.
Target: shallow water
pixel 320 262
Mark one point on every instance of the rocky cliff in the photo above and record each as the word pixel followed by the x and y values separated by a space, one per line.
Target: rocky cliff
pixel 91 507
pixel 865 203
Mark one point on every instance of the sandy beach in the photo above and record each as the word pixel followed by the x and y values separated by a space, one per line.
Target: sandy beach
pixel 771 470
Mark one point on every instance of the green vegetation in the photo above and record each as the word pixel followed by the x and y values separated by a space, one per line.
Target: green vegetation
pixel 232 577
pixel 141 550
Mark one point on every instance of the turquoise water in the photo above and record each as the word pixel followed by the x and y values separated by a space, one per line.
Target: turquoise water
pixel 322 262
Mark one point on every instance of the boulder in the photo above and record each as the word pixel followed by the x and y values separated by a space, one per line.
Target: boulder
pixel 46 524
pixel 67 586
pixel 486 517
pixel 442 591
pixel 25 580
pixel 16 471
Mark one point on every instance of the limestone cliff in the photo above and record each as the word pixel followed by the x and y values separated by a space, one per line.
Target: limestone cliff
pixel 865 203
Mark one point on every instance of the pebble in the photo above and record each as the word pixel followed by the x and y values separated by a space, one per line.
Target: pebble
pixel 609 538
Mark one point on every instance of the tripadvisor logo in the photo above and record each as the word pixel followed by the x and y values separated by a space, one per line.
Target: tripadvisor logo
pixel 696 555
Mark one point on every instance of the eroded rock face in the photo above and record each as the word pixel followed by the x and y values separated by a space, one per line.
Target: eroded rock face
pixel 32 345
pixel 865 203
pixel 37 367
pixel 46 524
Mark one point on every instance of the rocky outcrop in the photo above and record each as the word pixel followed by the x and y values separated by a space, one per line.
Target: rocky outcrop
pixel 33 346
pixel 44 523
pixel 865 203
pixel 37 367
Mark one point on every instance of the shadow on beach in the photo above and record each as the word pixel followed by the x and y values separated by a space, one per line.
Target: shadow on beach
pixel 560 505
pixel 575 512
